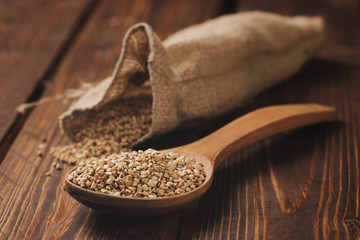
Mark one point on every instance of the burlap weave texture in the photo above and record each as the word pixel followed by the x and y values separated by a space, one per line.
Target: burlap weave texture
pixel 204 70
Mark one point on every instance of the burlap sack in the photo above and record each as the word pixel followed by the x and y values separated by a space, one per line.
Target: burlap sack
pixel 205 70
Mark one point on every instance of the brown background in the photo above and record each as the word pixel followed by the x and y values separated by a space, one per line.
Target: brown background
pixel 298 185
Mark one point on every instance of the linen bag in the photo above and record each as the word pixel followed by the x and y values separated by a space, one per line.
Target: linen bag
pixel 204 70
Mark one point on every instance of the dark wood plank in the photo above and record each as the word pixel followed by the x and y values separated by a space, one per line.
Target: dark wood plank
pixel 33 206
pixel 32 37
pixel 302 185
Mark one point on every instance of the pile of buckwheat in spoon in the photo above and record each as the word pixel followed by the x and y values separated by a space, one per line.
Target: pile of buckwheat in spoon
pixel 141 174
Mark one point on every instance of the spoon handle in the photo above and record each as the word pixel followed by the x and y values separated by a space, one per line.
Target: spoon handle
pixel 258 125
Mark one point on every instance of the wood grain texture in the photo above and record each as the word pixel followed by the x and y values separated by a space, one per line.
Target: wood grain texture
pixel 31 40
pixel 302 185
pixel 33 206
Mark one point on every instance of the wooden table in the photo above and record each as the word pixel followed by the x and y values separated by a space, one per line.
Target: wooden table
pixel 300 185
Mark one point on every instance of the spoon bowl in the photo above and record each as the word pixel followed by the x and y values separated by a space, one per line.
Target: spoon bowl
pixel 131 206
pixel 211 151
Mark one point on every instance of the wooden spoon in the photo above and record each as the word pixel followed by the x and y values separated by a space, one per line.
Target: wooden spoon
pixel 211 152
